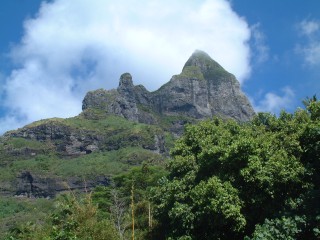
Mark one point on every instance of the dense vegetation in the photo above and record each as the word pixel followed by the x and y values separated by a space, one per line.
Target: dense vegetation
pixel 230 180
pixel 225 180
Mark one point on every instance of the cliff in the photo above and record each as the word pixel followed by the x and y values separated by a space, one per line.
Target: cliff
pixel 202 90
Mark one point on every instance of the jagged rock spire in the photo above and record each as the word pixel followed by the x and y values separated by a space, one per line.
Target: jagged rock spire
pixel 125 81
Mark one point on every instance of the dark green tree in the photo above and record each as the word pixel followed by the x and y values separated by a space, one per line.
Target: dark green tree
pixel 226 179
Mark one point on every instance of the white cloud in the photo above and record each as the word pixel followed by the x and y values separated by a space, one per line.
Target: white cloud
pixel 310 48
pixel 309 27
pixel 310 52
pixel 71 47
pixel 274 103
pixel 260 50
pixel 2 80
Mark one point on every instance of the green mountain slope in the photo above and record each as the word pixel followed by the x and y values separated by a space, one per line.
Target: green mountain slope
pixel 117 130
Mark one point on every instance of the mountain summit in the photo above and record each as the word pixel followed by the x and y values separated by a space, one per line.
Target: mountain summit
pixel 202 90
pixel 203 61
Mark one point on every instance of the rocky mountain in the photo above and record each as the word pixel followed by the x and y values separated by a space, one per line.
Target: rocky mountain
pixel 202 90
pixel 116 130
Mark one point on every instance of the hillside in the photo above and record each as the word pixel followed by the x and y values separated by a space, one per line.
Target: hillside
pixel 127 119
pixel 117 130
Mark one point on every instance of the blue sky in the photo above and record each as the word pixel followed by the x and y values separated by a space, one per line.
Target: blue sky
pixel 52 53
pixel 293 50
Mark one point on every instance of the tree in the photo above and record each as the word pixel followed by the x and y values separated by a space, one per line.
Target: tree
pixel 227 178
pixel 143 178
pixel 285 228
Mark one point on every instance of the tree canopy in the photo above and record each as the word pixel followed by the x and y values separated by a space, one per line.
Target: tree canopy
pixel 229 180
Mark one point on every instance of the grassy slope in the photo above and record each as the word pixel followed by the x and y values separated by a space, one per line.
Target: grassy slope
pixel 48 163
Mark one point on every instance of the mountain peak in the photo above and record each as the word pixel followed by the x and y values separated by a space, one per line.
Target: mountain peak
pixel 203 89
pixel 203 61
pixel 200 54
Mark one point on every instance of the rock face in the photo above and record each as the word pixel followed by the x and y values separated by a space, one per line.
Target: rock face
pixel 68 140
pixel 202 90
pixel 120 102
pixel 31 185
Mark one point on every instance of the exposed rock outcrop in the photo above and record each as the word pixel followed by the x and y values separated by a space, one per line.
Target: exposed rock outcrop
pixel 58 136
pixel 202 90
pixel 31 185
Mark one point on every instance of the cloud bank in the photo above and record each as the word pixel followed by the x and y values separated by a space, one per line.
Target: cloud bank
pixel 71 47
pixel 260 50
pixel 310 49
pixel 274 103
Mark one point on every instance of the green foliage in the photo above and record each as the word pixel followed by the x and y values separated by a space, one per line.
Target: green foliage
pixel 77 219
pixel 113 206
pixel 143 178
pixel 27 143
pixel 227 178
pixel 285 228
pixel 51 121
pixel 28 231
pixel 73 219
pixel 101 196
pixel 220 202
pixel 313 106
pixel 9 207
pixel 114 201
pixel 123 144
pixel 191 72
pixel 86 166
pixel 16 212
